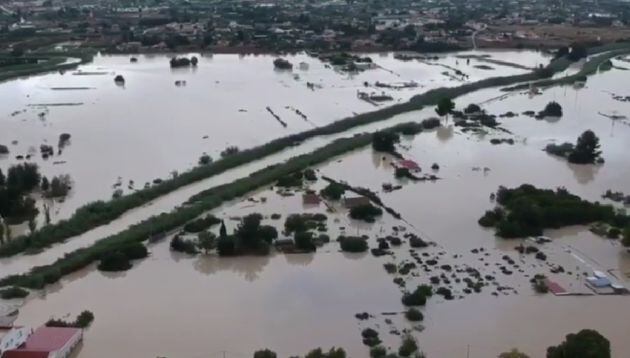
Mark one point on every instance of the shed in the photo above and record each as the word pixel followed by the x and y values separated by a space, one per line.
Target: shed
pixel 311 199
pixel 356 201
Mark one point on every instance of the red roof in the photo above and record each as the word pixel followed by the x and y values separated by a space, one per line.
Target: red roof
pixel 409 164
pixel 44 341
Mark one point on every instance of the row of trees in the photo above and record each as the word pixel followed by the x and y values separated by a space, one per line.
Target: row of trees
pixel 585 151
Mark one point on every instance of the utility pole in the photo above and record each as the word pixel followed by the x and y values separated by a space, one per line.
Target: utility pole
pixel 468 351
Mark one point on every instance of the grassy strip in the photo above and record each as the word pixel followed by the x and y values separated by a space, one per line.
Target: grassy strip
pixel 54 63
pixel 38 277
pixel 590 67
pixel 102 212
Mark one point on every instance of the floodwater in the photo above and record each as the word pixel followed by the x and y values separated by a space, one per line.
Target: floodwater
pixel 150 127
pixel 201 306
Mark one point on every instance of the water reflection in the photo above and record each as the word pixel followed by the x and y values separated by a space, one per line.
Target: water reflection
pixel 444 133
pixel 299 259
pixel 584 173
pixel 248 267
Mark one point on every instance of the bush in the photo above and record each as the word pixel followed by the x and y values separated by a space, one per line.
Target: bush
pixel 418 297
pixel 201 224
pixel 385 141
pixel 309 174
pixel 134 251
pixel 333 191
pixel 83 320
pixel 411 128
pixel 291 180
pixel 378 352
pixel 370 337
pixel 265 353
pixel 561 150
pixel 552 109
pixel 586 150
pixel 472 108
pixel 182 245
pixel 4 149
pixel 414 315
pixel 431 123
pixel 353 244
pixel 13 292
pixel 367 212
pixel 304 241
pixel 226 246
pixel 115 261
pixel 408 346
pixel 613 233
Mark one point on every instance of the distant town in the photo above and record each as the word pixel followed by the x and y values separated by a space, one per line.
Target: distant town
pixel 287 26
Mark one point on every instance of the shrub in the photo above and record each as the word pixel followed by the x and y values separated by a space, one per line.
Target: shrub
pixel 418 297
pixel 182 245
pixel 201 224
pixel 491 217
pixel 561 150
pixel 265 353
pixel 268 233
pixel 553 109
pixel 370 337
pixel 295 223
pixel 586 150
pixel 411 128
pixel 4 149
pixel 134 251
pixel 333 191
pixel 587 343
pixel 226 246
pixel 431 123
pixel 613 233
pixel 291 180
pixel 114 261
pixel 353 244
pixel 472 108
pixel 205 159
pixel 13 292
pixel 304 241
pixel 408 346
pixel 414 315
pixel 309 174
pixel 378 352
pixel 385 141
pixel 366 212
pixel 445 292
pixel 83 320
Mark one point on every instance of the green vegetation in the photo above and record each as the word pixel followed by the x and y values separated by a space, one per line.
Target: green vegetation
pixel 385 141
pixel 366 212
pixel 539 283
pixel 115 261
pixel 83 320
pixel 586 151
pixel 13 292
pixel 527 211
pixel 353 243
pixel 414 315
pixel 100 212
pixel 332 353
pixel 418 297
pixel 265 353
pixel 444 107
pixel 333 191
pixel 514 353
pixel 201 224
pixel 180 244
pixel 587 343
pixel 552 109
pixel 408 346
pixel 15 204
pixel 378 352
pixel 46 62
pixel 370 337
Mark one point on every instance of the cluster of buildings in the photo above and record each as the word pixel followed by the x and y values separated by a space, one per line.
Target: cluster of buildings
pixel 43 342
pixel 286 25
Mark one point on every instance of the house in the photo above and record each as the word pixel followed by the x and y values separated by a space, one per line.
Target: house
pixel 356 201
pixel 598 282
pixel 12 337
pixel 48 342
pixel 311 199
pixel 409 164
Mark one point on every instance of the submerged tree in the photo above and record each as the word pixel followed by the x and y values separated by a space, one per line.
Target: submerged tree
pixel 514 353
pixel 586 150
pixel 587 343
pixel 444 107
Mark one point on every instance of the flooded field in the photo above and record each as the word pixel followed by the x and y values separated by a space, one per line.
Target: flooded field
pixel 204 305
pixel 150 127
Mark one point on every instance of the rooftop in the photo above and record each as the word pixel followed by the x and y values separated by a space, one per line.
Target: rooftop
pixel 49 338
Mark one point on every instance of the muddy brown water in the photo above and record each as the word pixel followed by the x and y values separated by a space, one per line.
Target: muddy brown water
pixel 200 306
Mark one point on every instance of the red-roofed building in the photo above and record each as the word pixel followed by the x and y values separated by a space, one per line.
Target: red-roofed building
pixel 409 164
pixel 48 342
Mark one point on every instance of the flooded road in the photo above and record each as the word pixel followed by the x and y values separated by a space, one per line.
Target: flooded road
pixel 201 306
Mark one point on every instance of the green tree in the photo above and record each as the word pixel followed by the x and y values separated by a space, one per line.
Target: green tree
pixel 514 353
pixel 45 185
pixel 248 230
pixel 587 343
pixel 222 230
pixel 333 191
pixel 265 353
pixel 385 141
pixel 586 150
pixel 207 241
pixel 32 225
pixel 444 107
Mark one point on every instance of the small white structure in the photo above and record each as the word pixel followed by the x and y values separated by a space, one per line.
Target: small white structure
pixel 12 337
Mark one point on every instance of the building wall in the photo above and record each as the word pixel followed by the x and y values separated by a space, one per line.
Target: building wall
pixel 67 350
pixel 14 338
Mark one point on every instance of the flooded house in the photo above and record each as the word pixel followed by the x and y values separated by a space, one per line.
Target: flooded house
pixel 12 337
pixel 47 342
